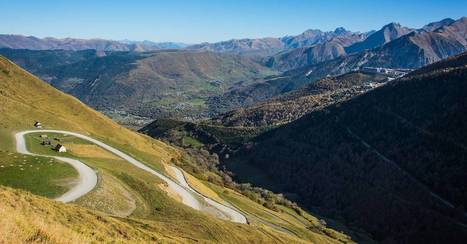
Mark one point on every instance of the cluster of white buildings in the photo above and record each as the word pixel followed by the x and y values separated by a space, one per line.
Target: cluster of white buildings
pixel 388 71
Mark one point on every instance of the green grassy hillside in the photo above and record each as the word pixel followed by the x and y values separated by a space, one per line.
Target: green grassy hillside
pixel 39 175
pixel 147 211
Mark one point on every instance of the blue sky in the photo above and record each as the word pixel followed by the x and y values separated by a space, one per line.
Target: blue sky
pixel 194 21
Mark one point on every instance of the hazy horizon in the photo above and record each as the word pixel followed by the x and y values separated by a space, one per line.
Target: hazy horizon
pixel 212 21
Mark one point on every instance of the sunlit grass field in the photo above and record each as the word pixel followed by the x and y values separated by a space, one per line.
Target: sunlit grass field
pixel 39 175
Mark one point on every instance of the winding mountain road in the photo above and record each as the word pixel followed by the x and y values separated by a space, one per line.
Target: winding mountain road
pixel 88 178
pixel 233 214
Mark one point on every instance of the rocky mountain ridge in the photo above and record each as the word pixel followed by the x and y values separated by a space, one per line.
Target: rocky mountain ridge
pixel 50 43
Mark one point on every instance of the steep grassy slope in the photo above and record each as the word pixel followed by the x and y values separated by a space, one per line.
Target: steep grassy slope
pixel 391 161
pixel 26 99
pixel 123 189
pixel 27 218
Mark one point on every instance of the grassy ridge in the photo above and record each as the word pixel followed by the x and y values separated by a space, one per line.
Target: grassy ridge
pixel 124 183
pixel 28 218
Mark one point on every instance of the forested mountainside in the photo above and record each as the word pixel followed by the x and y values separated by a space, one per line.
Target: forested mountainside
pixel 152 84
pixel 293 105
pixel 391 161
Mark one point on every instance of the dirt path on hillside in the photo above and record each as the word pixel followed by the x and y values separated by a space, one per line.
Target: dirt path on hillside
pixel 88 178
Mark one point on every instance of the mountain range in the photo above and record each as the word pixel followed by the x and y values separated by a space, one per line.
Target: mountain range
pixel 204 80
pixel 306 55
pixel 269 46
pixel 428 40
pixel 410 51
pixel 50 43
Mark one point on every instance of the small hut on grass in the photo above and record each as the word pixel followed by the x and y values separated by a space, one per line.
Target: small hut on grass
pixel 60 148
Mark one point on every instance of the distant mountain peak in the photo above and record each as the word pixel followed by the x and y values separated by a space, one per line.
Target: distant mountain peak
pixel 438 24
pixel 386 34
pixel 312 31
pixel 449 20
pixel 340 30
pixel 392 25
